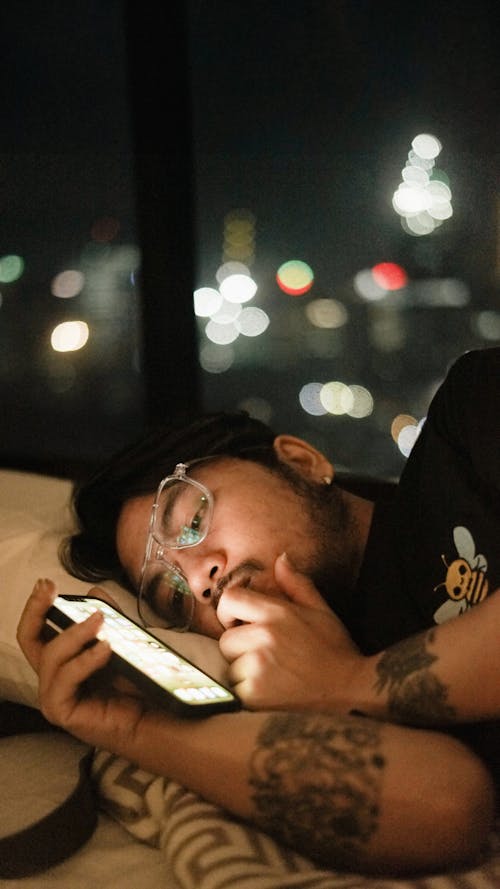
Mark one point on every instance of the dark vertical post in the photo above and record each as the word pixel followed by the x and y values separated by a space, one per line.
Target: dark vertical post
pixel 158 51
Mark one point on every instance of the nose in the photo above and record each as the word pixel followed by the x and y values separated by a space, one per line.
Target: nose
pixel 202 571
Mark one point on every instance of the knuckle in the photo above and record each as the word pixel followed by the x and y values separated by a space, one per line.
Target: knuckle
pixel 48 712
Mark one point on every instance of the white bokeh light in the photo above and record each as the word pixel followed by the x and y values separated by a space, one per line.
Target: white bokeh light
pixel 366 286
pixel 216 359
pixel 252 321
pixel 207 301
pixel 232 267
pixel 407 438
pixel 238 288
pixel 69 336
pixel 423 197
pixel 362 405
pixel 67 284
pixel 310 400
pixel 487 324
pixel 426 146
pixel 227 312
pixel 222 334
pixel 326 313
pixel 336 398
pixel 421 224
pixel 410 199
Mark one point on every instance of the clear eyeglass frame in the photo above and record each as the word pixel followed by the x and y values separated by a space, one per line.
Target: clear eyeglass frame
pixel 160 578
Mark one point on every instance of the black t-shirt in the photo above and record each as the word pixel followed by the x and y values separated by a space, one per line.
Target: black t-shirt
pixel 434 550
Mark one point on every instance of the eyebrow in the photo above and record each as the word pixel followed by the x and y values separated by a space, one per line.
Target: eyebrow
pixel 170 497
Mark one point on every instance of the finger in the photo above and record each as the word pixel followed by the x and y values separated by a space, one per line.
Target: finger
pixel 250 664
pixel 237 640
pixel 71 641
pixel 60 685
pixel 32 620
pixel 297 587
pixel 248 683
pixel 238 605
pixel 238 673
pixel 79 638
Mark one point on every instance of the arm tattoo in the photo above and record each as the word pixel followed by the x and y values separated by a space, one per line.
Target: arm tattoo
pixel 316 783
pixel 414 694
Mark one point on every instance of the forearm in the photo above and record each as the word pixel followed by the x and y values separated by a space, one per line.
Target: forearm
pixel 347 792
pixel 448 674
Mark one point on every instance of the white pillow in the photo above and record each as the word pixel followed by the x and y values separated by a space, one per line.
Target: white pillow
pixel 34 517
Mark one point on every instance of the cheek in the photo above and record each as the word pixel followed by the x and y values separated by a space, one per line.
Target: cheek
pixel 261 538
pixel 249 533
pixel 205 622
pixel 261 525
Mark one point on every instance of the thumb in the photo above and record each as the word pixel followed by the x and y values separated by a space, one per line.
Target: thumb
pixel 297 586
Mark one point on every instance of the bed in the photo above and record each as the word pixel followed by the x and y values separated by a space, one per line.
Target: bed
pixel 151 832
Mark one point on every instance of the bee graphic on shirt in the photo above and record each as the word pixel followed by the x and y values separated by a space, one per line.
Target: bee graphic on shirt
pixel 466 582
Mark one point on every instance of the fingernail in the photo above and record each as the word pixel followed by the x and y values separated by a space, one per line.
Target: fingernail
pixel 43 584
pixel 287 561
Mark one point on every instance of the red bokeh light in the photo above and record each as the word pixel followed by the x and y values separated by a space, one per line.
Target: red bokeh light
pixel 389 275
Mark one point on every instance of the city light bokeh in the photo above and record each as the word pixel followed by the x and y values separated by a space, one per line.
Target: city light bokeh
pixel 344 232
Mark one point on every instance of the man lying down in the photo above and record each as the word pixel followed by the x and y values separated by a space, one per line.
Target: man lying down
pixel 362 636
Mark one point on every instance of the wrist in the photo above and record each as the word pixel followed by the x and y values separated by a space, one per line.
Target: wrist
pixel 362 700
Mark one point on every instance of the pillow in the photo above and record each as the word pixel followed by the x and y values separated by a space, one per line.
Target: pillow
pixel 35 516
pixel 205 848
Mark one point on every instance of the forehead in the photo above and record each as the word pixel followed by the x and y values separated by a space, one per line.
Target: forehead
pixel 215 470
pixel 230 477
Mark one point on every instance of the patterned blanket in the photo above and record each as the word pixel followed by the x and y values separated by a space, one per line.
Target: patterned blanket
pixel 206 848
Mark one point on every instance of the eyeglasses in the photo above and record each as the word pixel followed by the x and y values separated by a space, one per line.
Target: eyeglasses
pixel 180 518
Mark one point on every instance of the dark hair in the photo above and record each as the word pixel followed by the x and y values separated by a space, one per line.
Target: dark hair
pixel 90 553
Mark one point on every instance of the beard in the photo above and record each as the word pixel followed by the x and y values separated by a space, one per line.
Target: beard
pixel 333 565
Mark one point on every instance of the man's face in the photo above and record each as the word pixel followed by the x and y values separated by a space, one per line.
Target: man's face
pixel 257 516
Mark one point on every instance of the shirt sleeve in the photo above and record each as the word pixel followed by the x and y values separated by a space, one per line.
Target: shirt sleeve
pixel 466 412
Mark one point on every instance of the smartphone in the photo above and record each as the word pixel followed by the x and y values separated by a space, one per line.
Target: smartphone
pixel 159 671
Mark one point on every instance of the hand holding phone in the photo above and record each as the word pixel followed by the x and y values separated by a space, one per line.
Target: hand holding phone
pixel 160 672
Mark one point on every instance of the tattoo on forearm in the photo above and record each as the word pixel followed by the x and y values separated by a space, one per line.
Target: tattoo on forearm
pixel 317 783
pixel 415 695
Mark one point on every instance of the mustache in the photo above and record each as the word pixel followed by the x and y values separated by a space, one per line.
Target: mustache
pixel 241 575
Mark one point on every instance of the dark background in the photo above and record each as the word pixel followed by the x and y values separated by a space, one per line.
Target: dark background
pixel 165 120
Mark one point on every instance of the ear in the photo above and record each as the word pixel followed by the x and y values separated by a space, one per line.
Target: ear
pixel 304 458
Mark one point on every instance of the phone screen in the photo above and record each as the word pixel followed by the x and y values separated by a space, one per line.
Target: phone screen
pixel 149 656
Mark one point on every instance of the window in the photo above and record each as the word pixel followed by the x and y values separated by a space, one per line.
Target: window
pixel 294 212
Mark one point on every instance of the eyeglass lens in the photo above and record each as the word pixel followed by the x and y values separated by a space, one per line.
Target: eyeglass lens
pixel 181 520
pixel 165 597
pixel 182 515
